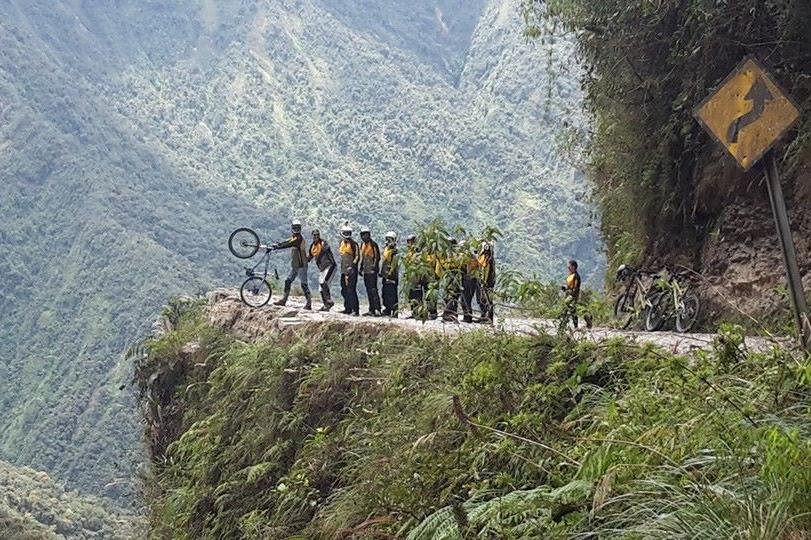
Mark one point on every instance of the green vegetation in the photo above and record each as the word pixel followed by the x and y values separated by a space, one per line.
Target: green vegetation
pixel 134 136
pixel 648 64
pixel 33 507
pixel 341 430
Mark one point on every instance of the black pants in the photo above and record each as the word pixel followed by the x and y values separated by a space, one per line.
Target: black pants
pixel 390 296
pixel 415 294
pixel 451 300
pixel 571 311
pixel 370 280
pixel 484 296
pixel 349 291
pixel 470 288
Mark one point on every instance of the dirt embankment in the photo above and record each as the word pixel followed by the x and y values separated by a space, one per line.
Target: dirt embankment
pixel 737 251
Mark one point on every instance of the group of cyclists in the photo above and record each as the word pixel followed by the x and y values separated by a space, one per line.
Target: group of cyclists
pixel 447 271
pixel 381 270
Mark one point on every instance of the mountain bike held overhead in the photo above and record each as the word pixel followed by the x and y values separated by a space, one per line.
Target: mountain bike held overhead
pixel 255 290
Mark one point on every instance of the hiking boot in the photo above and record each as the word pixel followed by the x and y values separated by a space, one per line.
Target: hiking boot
pixel 328 306
pixel 369 314
pixel 386 313
pixel 281 302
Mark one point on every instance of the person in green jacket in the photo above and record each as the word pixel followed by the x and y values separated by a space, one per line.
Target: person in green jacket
pixel 298 264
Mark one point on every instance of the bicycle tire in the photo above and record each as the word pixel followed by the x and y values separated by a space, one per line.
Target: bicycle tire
pixel 243 243
pixel 622 303
pixel 657 312
pixel 255 292
pixel 692 307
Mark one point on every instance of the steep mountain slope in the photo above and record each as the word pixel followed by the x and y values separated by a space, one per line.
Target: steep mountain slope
pixel 264 425
pixel 32 506
pixel 135 135
pixel 338 124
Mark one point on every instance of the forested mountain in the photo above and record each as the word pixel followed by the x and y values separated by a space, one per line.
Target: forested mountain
pixel 134 135
pixel 34 507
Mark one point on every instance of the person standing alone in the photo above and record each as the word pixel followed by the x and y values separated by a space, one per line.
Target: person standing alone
pixel 325 261
pixel 350 254
pixel 390 275
pixel 298 264
pixel 370 268
pixel 572 289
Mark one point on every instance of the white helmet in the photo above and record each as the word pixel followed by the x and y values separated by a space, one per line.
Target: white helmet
pixel 365 229
pixel 346 230
pixel 391 235
pixel 296 225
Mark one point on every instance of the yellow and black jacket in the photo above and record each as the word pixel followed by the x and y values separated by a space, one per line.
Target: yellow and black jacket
pixel 390 268
pixel 298 253
pixel 573 285
pixel 349 251
pixel 369 257
pixel 487 270
pixel 321 253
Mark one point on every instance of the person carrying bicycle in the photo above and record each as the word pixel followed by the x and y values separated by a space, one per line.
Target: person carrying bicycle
pixel 572 290
pixel 349 253
pixel 321 253
pixel 298 264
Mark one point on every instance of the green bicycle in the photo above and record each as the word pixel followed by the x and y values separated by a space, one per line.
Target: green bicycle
pixel 675 299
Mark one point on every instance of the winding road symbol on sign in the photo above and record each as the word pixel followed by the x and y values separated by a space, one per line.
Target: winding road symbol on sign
pixel 759 95
pixel 748 113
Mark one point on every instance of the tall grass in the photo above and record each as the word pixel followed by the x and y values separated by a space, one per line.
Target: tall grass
pixel 342 431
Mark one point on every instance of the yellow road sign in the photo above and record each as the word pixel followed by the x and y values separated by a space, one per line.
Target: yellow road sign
pixel 748 113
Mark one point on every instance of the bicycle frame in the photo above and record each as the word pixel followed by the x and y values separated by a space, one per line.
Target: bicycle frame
pixel 678 294
pixel 639 292
pixel 251 272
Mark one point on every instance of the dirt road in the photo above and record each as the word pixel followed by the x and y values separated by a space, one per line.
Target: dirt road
pixel 225 309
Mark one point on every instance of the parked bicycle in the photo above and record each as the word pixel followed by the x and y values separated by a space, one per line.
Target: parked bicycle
pixel 675 299
pixel 634 302
pixel 255 290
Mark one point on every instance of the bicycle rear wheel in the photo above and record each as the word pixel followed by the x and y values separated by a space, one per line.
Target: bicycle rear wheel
pixel 255 292
pixel 657 312
pixel 687 314
pixel 243 243
pixel 624 311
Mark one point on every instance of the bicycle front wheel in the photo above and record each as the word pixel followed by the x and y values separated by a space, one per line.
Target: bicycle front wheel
pixel 657 312
pixel 243 243
pixel 255 292
pixel 687 314
pixel 624 311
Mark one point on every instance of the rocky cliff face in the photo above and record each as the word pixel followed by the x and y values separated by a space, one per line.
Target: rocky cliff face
pixel 738 252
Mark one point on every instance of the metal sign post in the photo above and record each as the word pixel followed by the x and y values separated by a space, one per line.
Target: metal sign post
pixel 747 114
pixel 795 283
